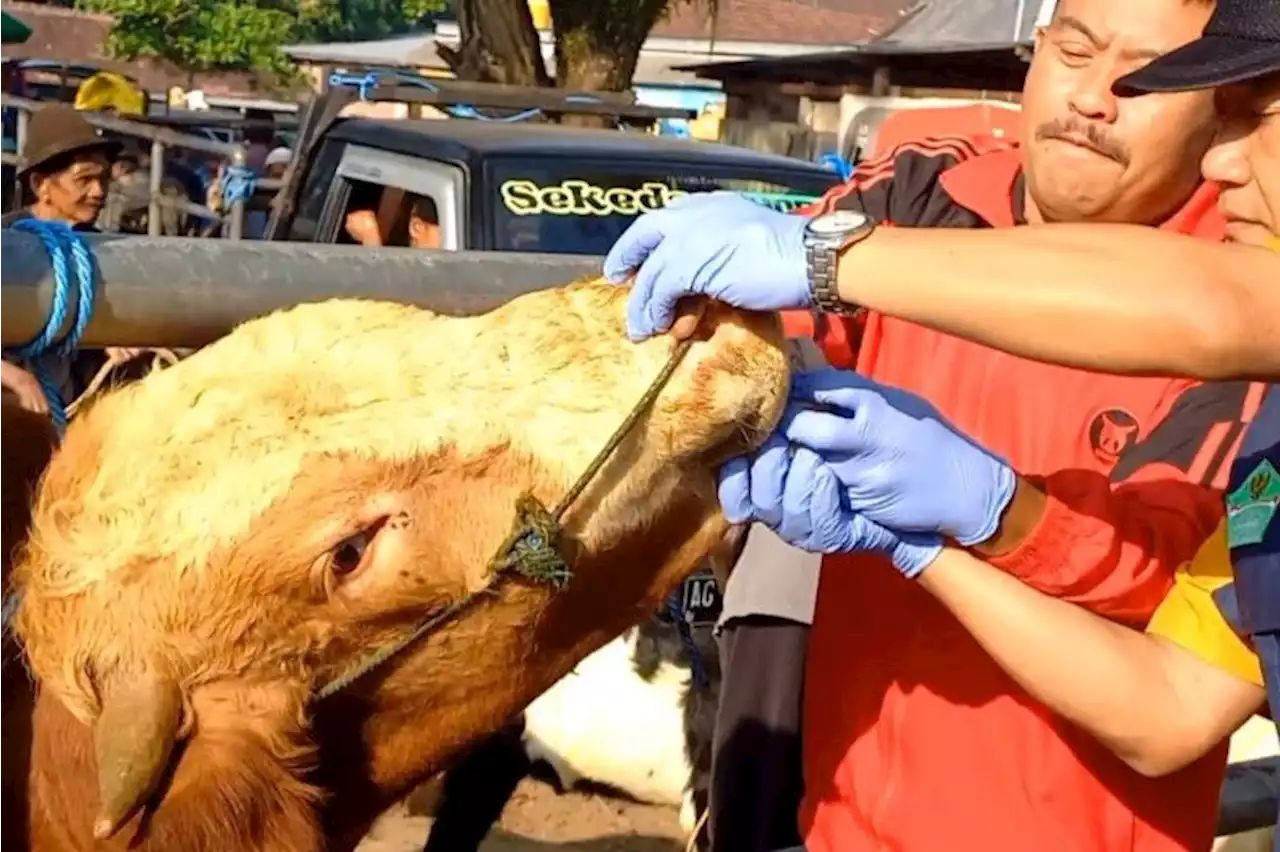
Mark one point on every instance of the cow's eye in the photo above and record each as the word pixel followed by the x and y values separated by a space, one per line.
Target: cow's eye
pixel 349 554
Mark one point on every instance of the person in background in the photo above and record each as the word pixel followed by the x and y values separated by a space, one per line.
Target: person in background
pixel 65 167
pixel 277 162
pixel 259 139
pixel 897 696
pixel 24 386
pixel 423 227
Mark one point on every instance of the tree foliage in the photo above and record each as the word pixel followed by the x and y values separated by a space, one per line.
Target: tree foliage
pixel 597 42
pixel 206 35
pixel 425 10
pixel 199 35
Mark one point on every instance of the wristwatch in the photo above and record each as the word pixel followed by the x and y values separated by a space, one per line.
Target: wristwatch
pixel 825 237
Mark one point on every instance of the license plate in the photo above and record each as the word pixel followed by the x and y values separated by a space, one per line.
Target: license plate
pixel 701 600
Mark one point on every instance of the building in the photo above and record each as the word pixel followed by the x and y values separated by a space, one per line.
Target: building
pixel 939 53
pixel 741 30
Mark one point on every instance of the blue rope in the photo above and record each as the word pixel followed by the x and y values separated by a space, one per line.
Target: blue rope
pixel 837 164
pixel 678 616
pixel 59 239
pixel 366 83
pixel 239 184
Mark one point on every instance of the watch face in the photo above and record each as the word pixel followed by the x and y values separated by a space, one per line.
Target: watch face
pixel 838 222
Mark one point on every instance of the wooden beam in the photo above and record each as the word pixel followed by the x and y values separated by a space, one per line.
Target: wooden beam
pixel 546 100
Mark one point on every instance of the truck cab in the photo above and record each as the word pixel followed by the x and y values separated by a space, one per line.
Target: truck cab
pixel 520 187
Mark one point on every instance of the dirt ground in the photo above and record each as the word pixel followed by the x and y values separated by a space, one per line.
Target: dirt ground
pixel 538 818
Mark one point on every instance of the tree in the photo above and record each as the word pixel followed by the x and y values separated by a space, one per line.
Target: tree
pixel 425 11
pixel 200 35
pixel 597 42
pixel 349 20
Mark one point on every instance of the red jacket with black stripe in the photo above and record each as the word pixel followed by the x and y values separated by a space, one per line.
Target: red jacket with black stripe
pixel 914 739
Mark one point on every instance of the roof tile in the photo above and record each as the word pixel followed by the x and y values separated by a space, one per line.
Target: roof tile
pixel 823 22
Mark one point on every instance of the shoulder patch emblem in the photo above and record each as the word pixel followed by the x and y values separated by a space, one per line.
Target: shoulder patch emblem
pixel 1251 507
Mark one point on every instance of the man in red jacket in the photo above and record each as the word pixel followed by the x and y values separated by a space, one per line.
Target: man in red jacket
pixel 914 738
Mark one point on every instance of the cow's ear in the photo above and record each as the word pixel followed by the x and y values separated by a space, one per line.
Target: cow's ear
pixel 240 774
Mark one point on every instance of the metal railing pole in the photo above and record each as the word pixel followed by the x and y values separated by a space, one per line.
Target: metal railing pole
pixel 157 181
pixel 20 143
pixel 188 291
pixel 235 213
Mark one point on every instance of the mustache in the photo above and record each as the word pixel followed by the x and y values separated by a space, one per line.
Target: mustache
pixel 1097 138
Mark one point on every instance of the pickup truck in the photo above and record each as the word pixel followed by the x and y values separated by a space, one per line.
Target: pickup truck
pixel 501 186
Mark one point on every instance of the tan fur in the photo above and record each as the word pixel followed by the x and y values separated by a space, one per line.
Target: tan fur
pixel 185 525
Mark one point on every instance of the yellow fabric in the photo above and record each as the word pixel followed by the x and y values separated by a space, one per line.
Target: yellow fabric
pixel 108 90
pixel 1190 617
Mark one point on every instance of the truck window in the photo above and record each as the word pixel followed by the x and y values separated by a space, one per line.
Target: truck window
pixel 575 207
pixel 377 215
pixel 395 200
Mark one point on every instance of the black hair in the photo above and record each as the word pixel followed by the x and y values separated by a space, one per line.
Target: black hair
pixel 424 207
pixel 263 134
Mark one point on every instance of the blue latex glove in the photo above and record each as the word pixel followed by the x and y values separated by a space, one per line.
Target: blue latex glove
pixel 901 463
pixel 797 495
pixel 717 244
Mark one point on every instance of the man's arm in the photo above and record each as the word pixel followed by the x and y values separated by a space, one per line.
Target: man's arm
pixel 1156 704
pixel 1117 298
pixel 1111 544
pixel 895 188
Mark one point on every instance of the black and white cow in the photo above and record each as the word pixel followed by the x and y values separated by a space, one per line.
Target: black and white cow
pixel 635 717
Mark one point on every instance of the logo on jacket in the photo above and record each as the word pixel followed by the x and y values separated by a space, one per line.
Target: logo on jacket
pixel 1111 433
pixel 1251 506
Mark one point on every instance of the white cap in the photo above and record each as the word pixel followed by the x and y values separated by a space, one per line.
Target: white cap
pixel 279 157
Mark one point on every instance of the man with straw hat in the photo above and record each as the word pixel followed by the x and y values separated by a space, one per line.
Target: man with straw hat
pixel 65 167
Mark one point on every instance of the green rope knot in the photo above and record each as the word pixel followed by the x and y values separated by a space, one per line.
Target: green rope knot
pixel 531 547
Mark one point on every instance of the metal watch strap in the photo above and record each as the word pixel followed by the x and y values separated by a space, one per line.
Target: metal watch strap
pixel 822 276
pixel 823 257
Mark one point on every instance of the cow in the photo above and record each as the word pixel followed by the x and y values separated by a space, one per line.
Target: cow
pixel 219 551
pixel 637 717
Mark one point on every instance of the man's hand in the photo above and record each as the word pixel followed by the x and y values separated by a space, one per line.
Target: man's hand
pixel 25 387
pixel 362 225
pixel 899 462
pixel 118 355
pixel 797 495
pixel 717 244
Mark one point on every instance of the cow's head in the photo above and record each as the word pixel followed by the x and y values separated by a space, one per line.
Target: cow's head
pixel 218 540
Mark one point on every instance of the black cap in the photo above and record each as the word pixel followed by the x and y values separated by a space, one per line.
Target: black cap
pixel 1241 43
